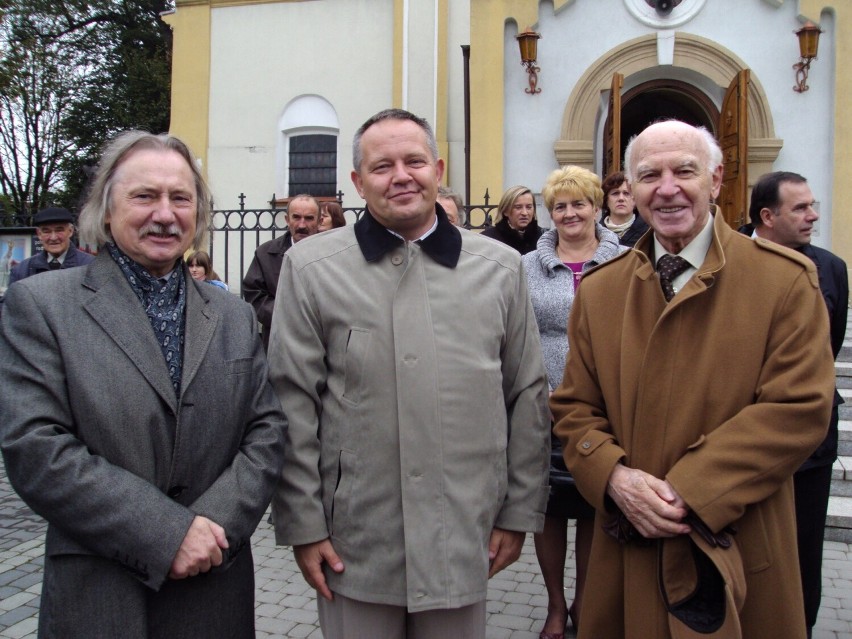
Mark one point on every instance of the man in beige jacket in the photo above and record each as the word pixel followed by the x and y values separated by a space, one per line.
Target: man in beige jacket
pixel 416 459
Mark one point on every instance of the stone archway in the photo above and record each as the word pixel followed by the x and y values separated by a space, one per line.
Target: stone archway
pixel 700 55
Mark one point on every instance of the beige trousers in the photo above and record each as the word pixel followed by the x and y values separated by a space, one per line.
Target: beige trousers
pixel 346 618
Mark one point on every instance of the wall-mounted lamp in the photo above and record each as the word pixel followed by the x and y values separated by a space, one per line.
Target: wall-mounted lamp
pixel 808 45
pixel 528 43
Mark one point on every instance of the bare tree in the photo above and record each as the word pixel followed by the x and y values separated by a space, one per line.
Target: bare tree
pixel 39 83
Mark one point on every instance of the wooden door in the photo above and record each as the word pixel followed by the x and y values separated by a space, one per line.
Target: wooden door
pixel 612 131
pixel 733 138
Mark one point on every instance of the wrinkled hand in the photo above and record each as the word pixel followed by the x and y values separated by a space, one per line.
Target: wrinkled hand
pixel 310 558
pixel 652 505
pixel 200 550
pixel 504 548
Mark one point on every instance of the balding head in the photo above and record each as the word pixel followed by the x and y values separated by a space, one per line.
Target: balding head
pixel 675 172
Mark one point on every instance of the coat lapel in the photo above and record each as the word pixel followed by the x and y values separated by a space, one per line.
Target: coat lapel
pixel 201 322
pixel 118 311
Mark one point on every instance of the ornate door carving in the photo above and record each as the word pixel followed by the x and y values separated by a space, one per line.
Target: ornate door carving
pixel 612 133
pixel 733 138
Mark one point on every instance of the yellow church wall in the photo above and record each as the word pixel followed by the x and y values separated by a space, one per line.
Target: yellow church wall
pixel 190 107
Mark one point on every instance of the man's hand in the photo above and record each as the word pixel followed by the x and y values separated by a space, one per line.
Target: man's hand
pixel 310 558
pixel 504 548
pixel 200 550
pixel 652 505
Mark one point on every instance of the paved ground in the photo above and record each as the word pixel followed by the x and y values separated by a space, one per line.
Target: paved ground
pixel 285 605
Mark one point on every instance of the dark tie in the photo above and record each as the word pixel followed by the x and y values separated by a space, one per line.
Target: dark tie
pixel 54 264
pixel 669 267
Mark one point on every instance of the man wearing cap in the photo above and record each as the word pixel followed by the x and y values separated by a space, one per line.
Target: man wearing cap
pixel 54 228
pixel 699 379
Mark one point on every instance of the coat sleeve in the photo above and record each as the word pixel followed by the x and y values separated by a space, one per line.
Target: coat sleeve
pixel 763 444
pixel 298 372
pixel 103 507
pixel 239 496
pixel 257 293
pixel 525 391
pixel 840 305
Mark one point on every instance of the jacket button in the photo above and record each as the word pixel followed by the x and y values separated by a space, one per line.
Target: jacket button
pixel 176 491
pixel 396 260
pixel 587 445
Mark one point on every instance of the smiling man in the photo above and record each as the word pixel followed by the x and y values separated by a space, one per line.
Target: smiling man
pixel 137 415
pixel 405 488
pixel 54 228
pixel 699 379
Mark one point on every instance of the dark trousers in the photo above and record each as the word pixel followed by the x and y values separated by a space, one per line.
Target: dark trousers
pixel 812 487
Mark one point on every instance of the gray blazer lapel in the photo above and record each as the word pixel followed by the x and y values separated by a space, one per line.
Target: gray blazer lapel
pixel 201 322
pixel 118 311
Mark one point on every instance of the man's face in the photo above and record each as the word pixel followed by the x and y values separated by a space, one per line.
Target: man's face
pixel 672 186
pixel 399 177
pixel 55 237
pixel 450 209
pixel 302 218
pixel 153 208
pixel 793 222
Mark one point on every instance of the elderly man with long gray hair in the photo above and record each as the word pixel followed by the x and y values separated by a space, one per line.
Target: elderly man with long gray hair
pixel 137 416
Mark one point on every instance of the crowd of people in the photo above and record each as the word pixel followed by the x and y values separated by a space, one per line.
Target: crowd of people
pixel 633 364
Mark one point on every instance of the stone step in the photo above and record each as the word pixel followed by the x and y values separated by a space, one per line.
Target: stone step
pixel 838 524
pixel 844 437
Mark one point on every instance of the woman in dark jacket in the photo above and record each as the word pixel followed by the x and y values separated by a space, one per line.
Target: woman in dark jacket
pixel 514 222
pixel 619 213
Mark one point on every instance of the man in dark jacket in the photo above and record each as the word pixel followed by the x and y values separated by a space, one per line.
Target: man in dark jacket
pixel 54 228
pixel 261 279
pixel 782 211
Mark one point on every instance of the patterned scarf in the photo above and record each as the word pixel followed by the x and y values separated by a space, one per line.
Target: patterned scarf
pixel 164 304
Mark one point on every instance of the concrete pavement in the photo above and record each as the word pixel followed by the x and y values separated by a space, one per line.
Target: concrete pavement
pixel 285 606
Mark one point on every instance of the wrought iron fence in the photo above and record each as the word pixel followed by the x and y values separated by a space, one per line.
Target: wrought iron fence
pixel 238 232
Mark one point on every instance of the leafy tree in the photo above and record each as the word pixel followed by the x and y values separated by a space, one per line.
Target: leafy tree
pixel 108 64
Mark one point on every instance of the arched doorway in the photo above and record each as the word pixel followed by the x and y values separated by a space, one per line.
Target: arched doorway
pixel 660 100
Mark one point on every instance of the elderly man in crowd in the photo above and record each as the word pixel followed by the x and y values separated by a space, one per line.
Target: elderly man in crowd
pixel 782 210
pixel 137 416
pixel 416 461
pixel 261 279
pixel 689 425
pixel 54 229
pixel 452 204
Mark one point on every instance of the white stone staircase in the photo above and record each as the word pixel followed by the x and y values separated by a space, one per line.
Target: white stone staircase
pixel 839 522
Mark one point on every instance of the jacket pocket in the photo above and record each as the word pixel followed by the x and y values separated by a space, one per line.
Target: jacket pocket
pixel 238 366
pixel 343 490
pixel 356 352
pixel 754 542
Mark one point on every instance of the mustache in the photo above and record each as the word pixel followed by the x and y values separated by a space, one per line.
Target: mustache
pixel 160 229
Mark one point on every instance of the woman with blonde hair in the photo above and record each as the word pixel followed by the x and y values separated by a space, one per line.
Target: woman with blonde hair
pixel 573 196
pixel 514 222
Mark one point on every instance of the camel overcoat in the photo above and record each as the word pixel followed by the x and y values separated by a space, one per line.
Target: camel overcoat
pixel 96 441
pixel 724 392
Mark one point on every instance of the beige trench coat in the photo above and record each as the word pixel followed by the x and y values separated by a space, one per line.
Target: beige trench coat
pixel 724 392
pixel 417 399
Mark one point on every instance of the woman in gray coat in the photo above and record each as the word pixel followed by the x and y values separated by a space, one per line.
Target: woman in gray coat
pixel 573 196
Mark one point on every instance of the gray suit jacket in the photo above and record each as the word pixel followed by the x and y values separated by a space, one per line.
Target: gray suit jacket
pixel 95 440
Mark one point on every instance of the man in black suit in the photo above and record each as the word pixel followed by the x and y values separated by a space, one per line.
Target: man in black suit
pixel 782 211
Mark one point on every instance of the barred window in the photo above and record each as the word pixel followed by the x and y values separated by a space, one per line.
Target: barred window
pixel 313 165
